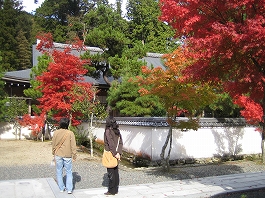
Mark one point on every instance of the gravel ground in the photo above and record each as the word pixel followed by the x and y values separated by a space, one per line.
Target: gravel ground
pixel 30 159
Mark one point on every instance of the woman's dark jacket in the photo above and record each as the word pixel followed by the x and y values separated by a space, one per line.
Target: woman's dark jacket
pixel 111 141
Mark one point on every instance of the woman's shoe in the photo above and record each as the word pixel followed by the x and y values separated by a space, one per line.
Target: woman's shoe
pixel 108 193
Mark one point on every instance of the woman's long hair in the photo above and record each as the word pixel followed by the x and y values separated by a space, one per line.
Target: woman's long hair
pixel 112 124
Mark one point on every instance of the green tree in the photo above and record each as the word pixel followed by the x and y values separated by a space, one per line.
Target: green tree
pixel 90 109
pixel 124 95
pixel 14 33
pixel 34 92
pixel 3 99
pixel 14 109
pixel 102 26
pixel 8 43
pixel 122 49
pixel 23 51
pixel 57 17
pixel 105 29
pixel 25 22
pixel 144 26
pixel 125 98
pixel 223 107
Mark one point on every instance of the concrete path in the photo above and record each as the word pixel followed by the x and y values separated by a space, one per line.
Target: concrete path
pixel 191 188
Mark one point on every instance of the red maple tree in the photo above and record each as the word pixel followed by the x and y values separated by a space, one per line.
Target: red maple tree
pixel 227 40
pixel 34 123
pixel 64 73
pixel 58 84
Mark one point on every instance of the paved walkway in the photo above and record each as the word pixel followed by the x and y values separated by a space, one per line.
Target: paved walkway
pixel 191 188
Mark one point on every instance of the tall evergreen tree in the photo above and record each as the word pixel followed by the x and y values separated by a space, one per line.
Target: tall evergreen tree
pixel 8 43
pixel 125 97
pixel 2 92
pixel 105 29
pixel 109 31
pixel 13 20
pixel 23 51
pixel 144 26
pixel 53 16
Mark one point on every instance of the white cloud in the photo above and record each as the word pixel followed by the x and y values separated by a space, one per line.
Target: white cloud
pixel 30 6
pixel 123 6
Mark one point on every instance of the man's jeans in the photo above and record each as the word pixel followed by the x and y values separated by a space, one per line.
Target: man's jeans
pixel 63 162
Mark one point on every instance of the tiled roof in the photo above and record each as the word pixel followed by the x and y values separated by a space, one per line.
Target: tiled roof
pixel 151 59
pixel 21 75
pixel 24 76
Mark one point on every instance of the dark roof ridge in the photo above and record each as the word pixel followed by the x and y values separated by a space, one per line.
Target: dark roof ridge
pixel 63 46
pixel 97 49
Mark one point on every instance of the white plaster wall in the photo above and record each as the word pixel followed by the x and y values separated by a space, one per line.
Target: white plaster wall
pixel 204 143
pixel 209 142
pixel 148 141
pixel 136 140
pixel 7 132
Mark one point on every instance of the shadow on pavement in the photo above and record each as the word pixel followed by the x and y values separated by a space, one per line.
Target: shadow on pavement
pixel 195 171
pixel 255 193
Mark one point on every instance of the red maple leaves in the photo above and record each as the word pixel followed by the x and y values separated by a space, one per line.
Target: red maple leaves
pixel 65 72
pixel 227 40
pixel 63 75
pixel 35 123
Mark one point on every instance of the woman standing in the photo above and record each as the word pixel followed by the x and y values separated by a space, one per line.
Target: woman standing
pixel 113 143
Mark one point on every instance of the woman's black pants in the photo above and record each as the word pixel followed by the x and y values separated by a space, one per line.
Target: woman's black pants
pixel 114 180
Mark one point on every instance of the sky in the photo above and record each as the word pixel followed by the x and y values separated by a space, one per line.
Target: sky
pixel 30 6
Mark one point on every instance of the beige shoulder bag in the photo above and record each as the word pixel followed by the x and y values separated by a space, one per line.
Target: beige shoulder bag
pixel 107 158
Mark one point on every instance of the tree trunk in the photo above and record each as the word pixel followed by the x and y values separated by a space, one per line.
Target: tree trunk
pixel 262 145
pixel 169 149
pixel 91 129
pixel 263 127
pixel 20 134
pixel 16 133
pixel 91 143
pixel 91 136
pixel 49 131
pixel 162 155
pixel 261 68
pixel 70 118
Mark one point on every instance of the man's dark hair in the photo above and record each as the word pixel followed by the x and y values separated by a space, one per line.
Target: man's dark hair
pixel 64 123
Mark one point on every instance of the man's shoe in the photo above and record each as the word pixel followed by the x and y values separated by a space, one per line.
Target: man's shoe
pixel 69 192
pixel 62 190
pixel 108 193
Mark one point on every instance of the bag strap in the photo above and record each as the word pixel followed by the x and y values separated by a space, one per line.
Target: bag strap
pixel 118 144
pixel 61 143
